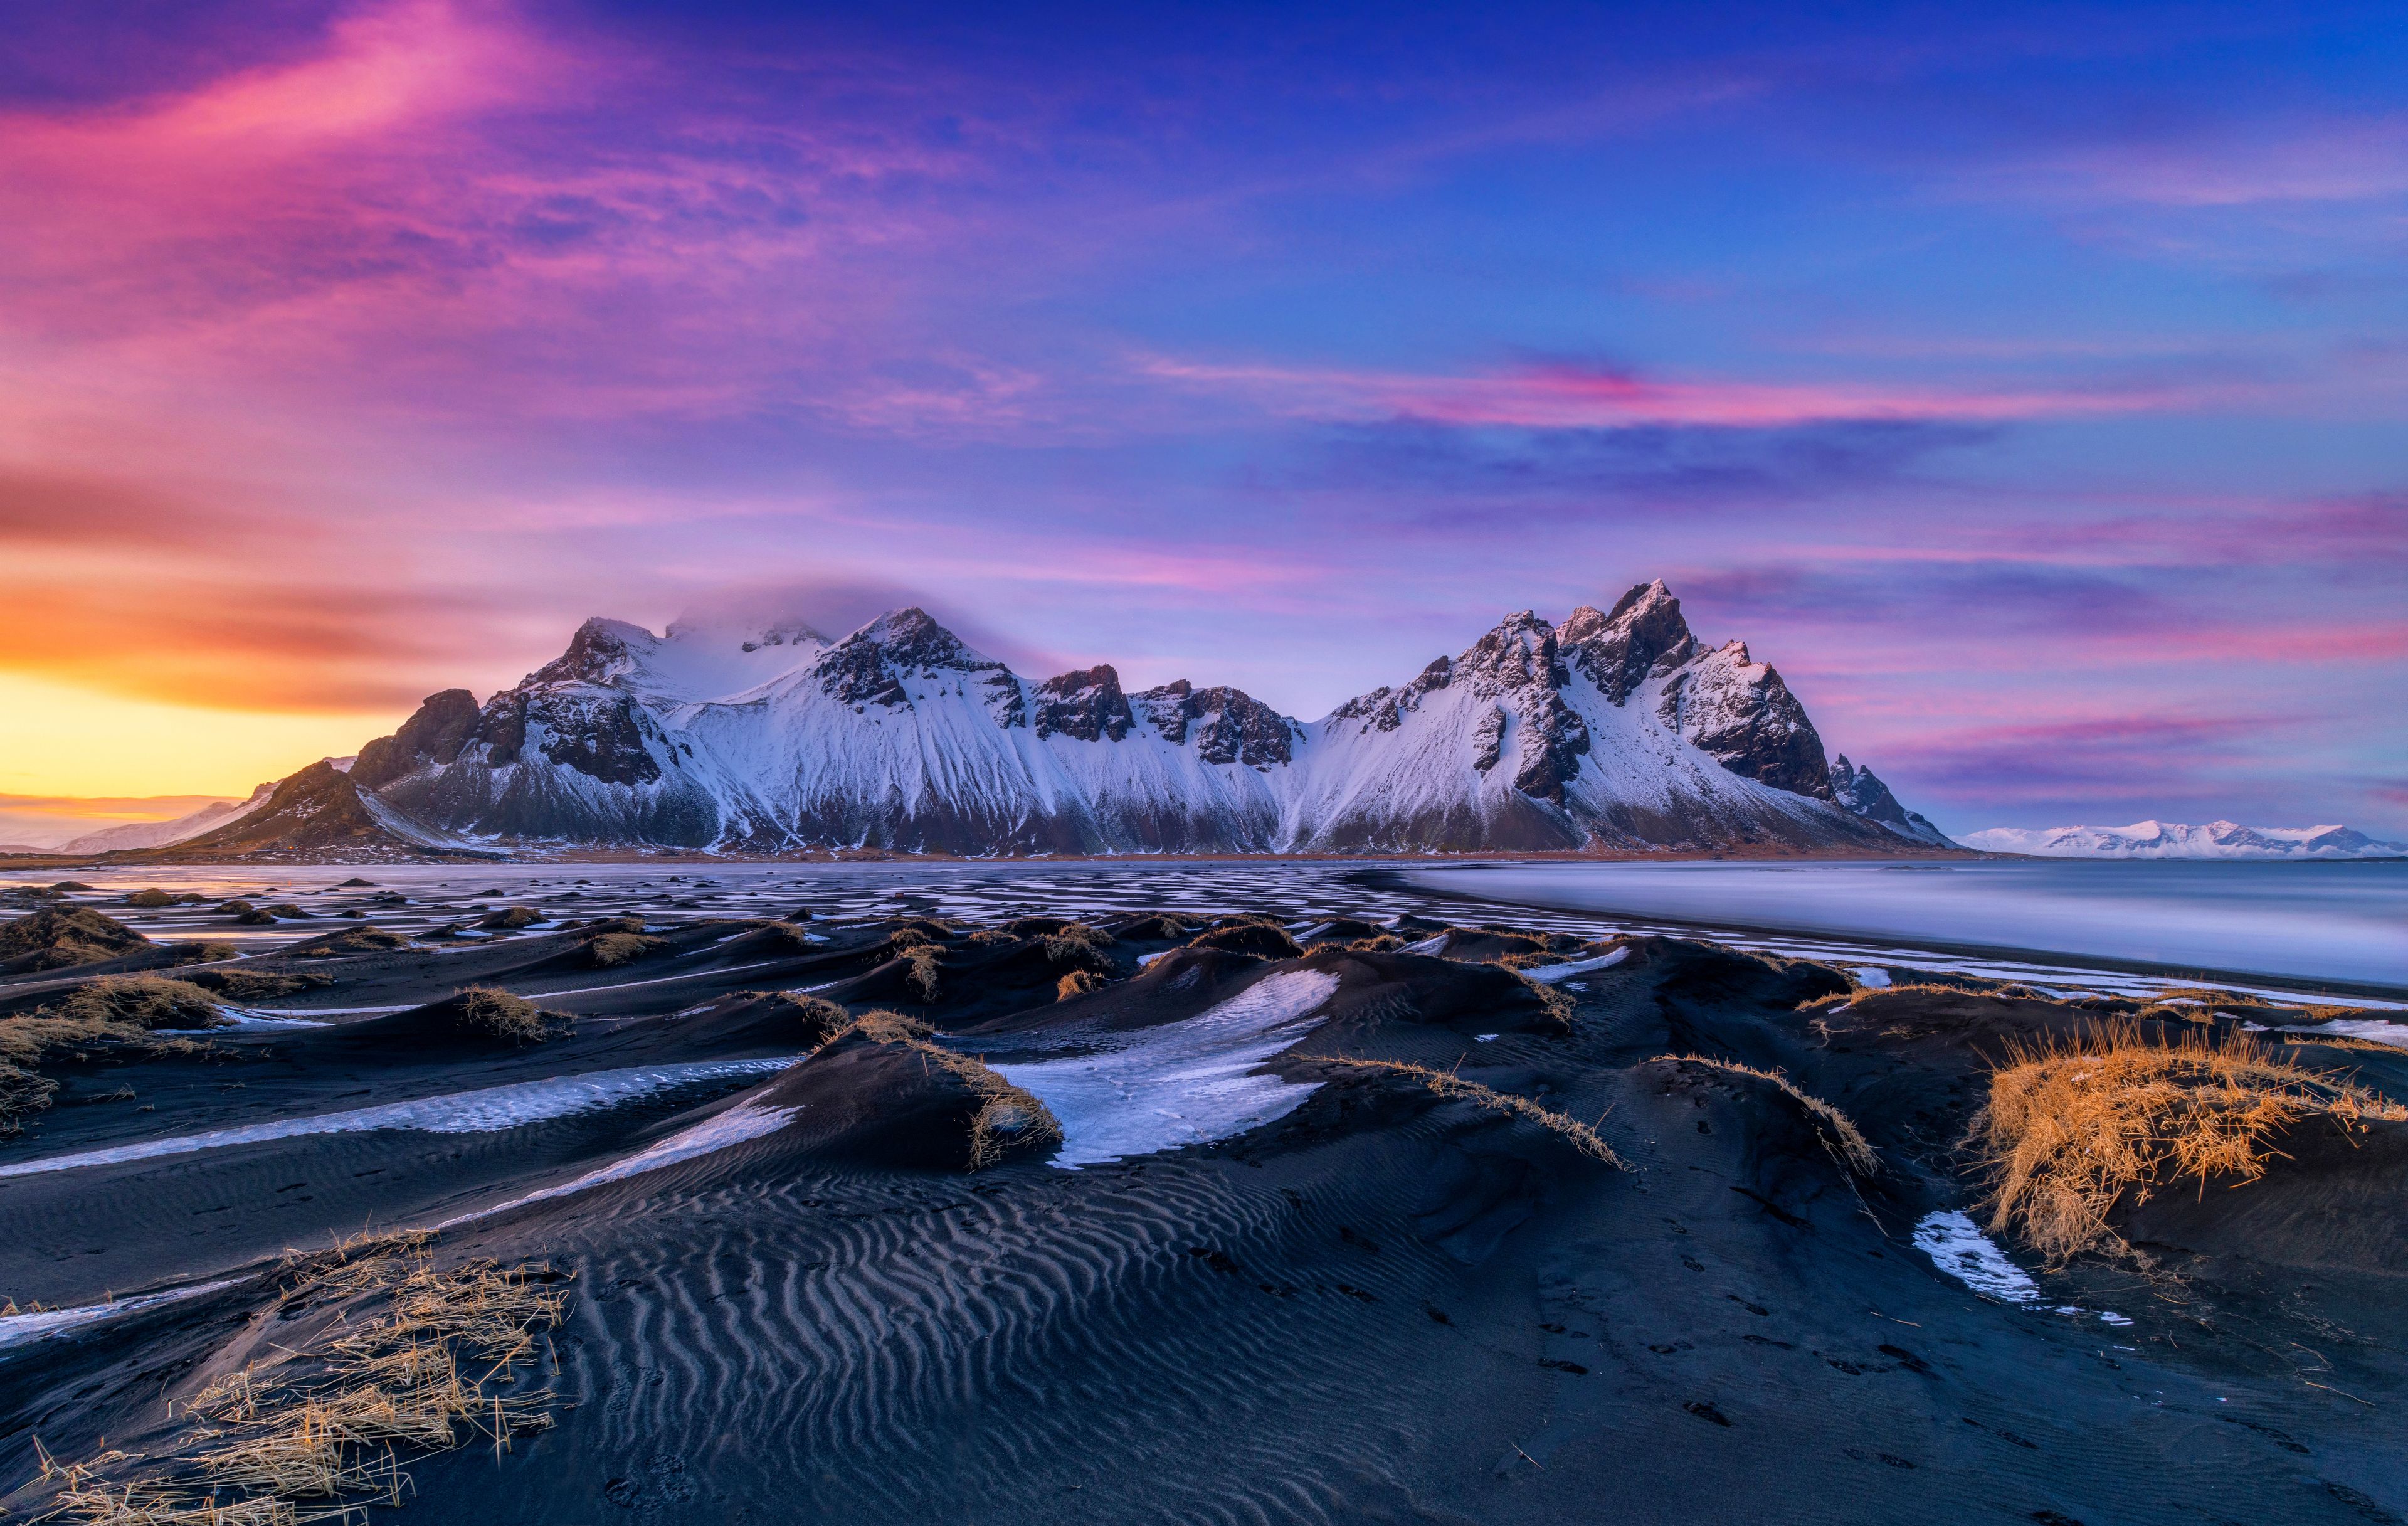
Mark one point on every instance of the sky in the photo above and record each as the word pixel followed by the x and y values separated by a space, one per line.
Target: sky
pixel 2029 385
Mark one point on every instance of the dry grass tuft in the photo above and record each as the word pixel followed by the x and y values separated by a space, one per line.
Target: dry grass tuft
pixel 258 985
pixel 908 937
pixel 1385 942
pixel 921 977
pixel 1839 1133
pixel 1557 1002
pixel 2073 1125
pixel 610 950
pixel 819 1018
pixel 1077 947
pixel 145 1001
pixel 1077 983
pixel 432 1363
pixel 208 951
pixel 497 1014
pixel 1447 1084
pixel 1008 1118
pixel 115 1017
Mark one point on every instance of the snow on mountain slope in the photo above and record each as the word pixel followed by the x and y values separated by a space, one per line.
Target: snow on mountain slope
pixel 1618 729
pixel 160 834
pixel 2173 840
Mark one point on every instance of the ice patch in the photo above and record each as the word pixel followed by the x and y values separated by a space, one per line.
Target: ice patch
pixel 1960 1248
pixel 18 1329
pixel 1549 973
pixel 2374 1029
pixel 489 1111
pixel 1483 1038
pixel 1428 945
pixel 745 1120
pixel 1183 1083
pixel 1144 960
pixel 1872 977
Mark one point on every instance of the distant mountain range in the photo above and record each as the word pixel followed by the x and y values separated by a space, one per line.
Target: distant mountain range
pixel 2173 840
pixel 1615 729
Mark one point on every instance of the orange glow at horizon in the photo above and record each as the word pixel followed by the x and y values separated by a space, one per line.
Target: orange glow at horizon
pixel 66 740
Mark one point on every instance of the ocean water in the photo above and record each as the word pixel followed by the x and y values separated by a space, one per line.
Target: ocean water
pixel 2343 923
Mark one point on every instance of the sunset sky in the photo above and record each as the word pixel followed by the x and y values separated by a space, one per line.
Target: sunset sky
pixel 2030 388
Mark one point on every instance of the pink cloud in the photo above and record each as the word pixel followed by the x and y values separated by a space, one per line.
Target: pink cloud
pixel 1567 397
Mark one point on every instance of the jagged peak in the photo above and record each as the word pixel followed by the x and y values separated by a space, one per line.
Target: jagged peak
pixel 598 652
pixel 912 638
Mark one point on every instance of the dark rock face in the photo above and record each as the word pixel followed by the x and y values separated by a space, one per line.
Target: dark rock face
pixel 1745 716
pixel 318 808
pixel 1643 633
pixel 866 668
pixel 1087 704
pixel 1857 791
pixel 1520 662
pixel 1231 726
pixel 1384 709
pixel 442 727
pixel 601 738
pixel 596 654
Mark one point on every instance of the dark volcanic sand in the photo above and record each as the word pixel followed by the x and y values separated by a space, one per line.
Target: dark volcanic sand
pixel 1341 1299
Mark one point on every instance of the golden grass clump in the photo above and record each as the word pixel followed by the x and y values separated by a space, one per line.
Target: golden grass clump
pixel 1007 1117
pixel 145 1001
pixel 257 985
pixel 921 977
pixel 114 1018
pixel 61 937
pixel 208 951
pixel 497 1014
pixel 819 1018
pixel 908 937
pixel 431 1365
pixel 1077 947
pixel 1839 1132
pixel 1587 1141
pixel 1557 1002
pixel 510 917
pixel 612 949
pixel 1077 983
pixel 1384 942
pixel 2073 1125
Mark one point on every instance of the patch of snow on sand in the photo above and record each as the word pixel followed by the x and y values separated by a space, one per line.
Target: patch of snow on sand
pixel 17 1329
pixel 745 1120
pixel 1872 977
pixel 1550 973
pixel 2374 1029
pixel 489 1111
pixel 1184 1083
pixel 1428 945
pixel 1960 1248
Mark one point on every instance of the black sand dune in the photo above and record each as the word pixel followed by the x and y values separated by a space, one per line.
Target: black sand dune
pixel 1393 1284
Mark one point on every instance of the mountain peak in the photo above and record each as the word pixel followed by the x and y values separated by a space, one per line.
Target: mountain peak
pixel 602 650
pixel 1643 633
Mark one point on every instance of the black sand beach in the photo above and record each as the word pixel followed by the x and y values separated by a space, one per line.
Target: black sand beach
pixel 1116 1217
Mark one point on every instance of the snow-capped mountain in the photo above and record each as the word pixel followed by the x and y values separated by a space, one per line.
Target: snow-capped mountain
pixel 160 834
pixel 1617 728
pixel 2173 840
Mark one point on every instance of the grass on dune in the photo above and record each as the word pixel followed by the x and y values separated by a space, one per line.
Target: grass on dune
pixel 2073 1125
pixel 1008 1118
pixel 484 1009
pixel 1449 1084
pixel 1839 1133
pixel 116 1017
pixel 317 1432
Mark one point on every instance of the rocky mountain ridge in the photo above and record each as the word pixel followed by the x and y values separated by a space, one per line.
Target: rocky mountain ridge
pixel 1615 729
